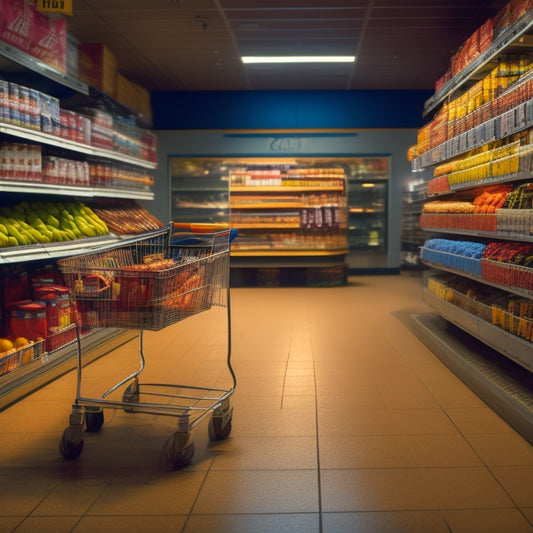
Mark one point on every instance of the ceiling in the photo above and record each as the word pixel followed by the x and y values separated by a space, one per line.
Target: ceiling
pixel 195 45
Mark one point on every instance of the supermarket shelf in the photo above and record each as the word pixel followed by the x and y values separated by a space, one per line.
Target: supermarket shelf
pixel 253 252
pixel 200 208
pixel 54 250
pixel 260 205
pixel 267 227
pixel 518 119
pixel 71 190
pixel 284 189
pixel 474 69
pixel 29 62
pixel 366 211
pixel 202 191
pixel 28 134
pixel 506 178
pixel 508 288
pixel 29 377
pixel 104 192
pixel 513 347
pixel 487 234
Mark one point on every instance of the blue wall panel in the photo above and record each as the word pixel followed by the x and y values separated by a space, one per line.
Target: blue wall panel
pixel 287 109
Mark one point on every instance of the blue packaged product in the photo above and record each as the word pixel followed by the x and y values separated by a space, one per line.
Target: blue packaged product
pixel 4 101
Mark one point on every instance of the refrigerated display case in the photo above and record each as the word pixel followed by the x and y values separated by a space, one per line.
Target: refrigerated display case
pixel 368 181
pixel 199 190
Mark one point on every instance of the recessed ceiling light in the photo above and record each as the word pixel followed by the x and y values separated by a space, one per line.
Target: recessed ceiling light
pixel 297 59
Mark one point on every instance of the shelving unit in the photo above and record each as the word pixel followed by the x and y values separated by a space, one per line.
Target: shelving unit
pixel 510 336
pixel 289 213
pixel 18 67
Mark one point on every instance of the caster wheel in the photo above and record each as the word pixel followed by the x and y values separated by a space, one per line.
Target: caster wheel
pixel 94 420
pixel 216 431
pixel 179 457
pixel 71 444
pixel 131 395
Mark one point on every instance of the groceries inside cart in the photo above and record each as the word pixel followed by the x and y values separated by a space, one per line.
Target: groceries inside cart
pixel 147 283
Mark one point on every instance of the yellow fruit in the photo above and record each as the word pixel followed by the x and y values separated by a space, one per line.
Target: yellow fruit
pixel 20 342
pixel 5 345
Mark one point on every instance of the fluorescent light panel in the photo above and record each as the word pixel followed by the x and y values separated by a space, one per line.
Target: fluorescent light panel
pixel 297 59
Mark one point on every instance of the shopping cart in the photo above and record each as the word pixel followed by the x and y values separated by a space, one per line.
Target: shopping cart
pixel 149 283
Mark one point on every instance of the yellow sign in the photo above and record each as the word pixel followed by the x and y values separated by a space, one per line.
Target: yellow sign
pixel 54 6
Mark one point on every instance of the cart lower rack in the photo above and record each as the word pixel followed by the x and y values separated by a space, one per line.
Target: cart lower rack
pixel 148 283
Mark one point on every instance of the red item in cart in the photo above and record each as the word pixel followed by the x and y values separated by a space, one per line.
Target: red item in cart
pixel 28 320
pixel 57 300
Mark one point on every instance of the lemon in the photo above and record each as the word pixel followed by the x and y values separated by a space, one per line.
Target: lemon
pixel 20 342
pixel 5 345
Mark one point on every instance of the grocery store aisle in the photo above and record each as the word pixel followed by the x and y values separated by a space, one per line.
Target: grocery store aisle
pixel 344 421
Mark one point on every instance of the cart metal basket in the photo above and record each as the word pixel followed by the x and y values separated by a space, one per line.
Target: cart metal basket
pixel 149 283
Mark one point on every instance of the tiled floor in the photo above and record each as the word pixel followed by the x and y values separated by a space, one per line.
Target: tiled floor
pixel 343 422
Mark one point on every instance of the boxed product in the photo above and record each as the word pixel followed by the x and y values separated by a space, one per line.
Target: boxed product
pixel 98 66
pixel 16 18
pixel 134 96
pixel 48 40
pixel 36 34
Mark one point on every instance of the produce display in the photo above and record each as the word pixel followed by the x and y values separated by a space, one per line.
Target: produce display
pixel 44 222
pixel 125 217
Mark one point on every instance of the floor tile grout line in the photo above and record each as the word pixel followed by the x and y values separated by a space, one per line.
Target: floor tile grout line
pixel 318 469
pixel 196 498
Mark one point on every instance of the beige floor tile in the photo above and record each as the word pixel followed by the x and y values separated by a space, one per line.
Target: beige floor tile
pixel 395 451
pixel 363 421
pixel 388 522
pixel 509 449
pixel 406 394
pixel 130 524
pixel 170 494
pixel 21 492
pixel 528 513
pixel 517 481
pixel 471 420
pixel 259 491
pixel 454 394
pixel 274 422
pixel 9 523
pixel 298 402
pixel 254 523
pixel 48 524
pixel 487 521
pixel 411 489
pixel 265 453
pixel 70 498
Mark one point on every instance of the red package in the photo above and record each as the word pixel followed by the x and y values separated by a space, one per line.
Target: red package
pixel 48 40
pixel 28 320
pixel 16 18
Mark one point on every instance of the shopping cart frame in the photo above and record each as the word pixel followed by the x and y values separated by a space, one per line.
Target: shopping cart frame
pixel 195 403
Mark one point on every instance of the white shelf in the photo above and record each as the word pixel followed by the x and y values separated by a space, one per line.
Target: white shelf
pixel 515 290
pixel 54 250
pixel 29 62
pixel 71 190
pixel 513 347
pixel 53 140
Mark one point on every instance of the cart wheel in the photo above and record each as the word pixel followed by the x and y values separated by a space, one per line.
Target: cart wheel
pixel 131 395
pixel 180 457
pixel 94 420
pixel 71 444
pixel 215 429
